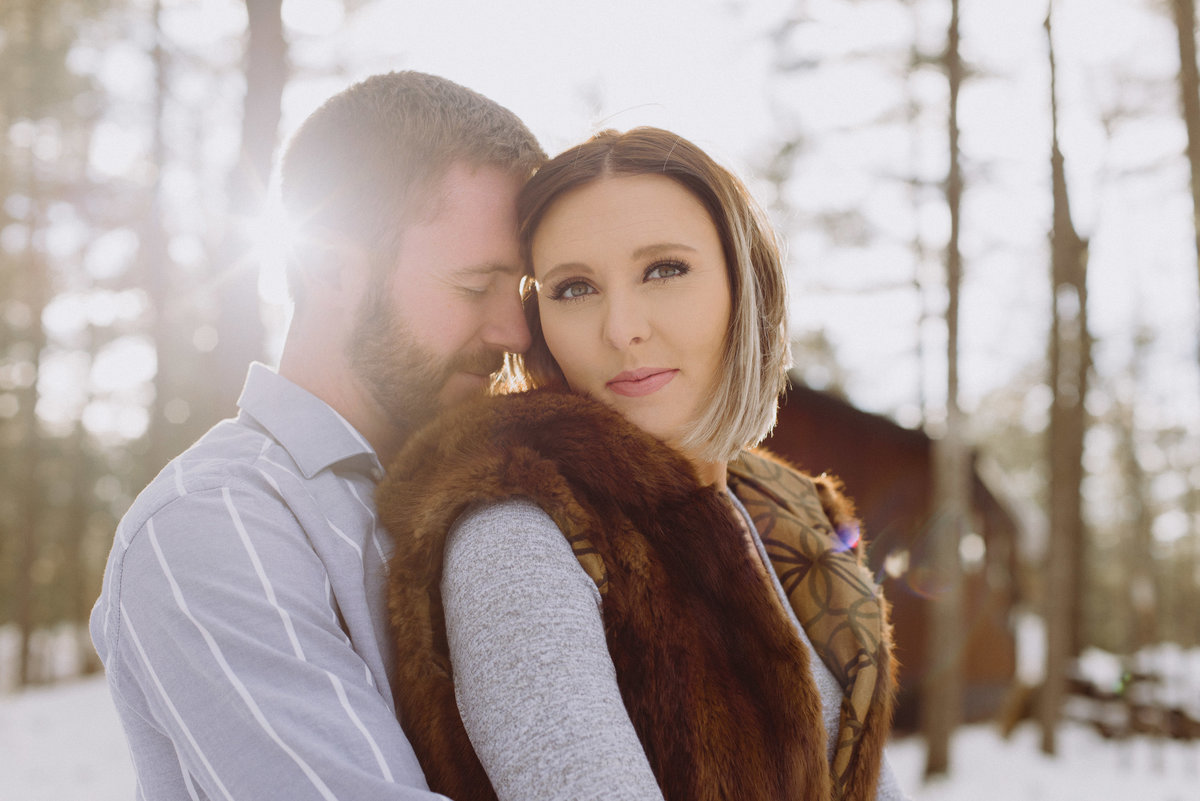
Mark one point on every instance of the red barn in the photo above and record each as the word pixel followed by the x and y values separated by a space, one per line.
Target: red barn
pixel 888 472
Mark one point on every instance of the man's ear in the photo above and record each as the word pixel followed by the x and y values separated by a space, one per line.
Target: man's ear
pixel 328 269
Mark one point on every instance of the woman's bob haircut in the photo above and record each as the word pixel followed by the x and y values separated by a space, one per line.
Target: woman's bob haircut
pixel 754 364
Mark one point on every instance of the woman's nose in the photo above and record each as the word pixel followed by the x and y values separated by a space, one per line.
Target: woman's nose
pixel 626 322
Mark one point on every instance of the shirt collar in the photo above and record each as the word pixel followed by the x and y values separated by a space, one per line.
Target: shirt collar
pixel 313 434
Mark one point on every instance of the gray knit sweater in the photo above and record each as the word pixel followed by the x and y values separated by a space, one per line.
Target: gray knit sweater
pixel 534 682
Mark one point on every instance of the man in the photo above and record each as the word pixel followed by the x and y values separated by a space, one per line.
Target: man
pixel 242 622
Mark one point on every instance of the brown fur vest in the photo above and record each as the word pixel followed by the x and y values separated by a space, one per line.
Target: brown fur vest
pixel 714 678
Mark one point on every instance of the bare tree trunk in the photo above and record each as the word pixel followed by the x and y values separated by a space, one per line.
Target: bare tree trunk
pixel 240 329
pixel 941 697
pixel 29 494
pixel 1190 585
pixel 77 580
pixel 9 287
pixel 156 266
pixel 1070 359
pixel 1139 559
pixel 916 189
pixel 266 75
pixel 1189 95
pixel 35 293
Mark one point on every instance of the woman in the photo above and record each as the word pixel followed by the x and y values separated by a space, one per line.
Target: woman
pixel 611 599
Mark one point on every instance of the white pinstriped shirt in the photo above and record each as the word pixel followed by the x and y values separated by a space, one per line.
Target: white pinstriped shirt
pixel 242 622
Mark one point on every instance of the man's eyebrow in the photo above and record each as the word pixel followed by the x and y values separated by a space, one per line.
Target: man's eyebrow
pixel 488 268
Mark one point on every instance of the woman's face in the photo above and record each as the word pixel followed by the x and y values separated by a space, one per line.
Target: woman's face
pixel 634 298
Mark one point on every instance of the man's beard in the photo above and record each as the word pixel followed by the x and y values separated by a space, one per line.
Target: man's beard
pixel 402 376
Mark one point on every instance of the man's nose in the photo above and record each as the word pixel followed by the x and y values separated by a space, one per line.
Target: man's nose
pixel 506 328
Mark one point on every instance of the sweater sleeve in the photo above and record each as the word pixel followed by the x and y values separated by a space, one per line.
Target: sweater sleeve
pixel 534 681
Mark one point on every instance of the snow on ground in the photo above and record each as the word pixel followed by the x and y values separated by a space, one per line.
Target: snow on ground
pixel 64 743
pixel 987 768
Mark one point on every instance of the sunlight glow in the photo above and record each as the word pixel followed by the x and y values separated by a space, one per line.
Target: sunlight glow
pixel 116 149
pixel 895 564
pixel 111 253
pixel 123 363
pixel 273 235
pixel 313 17
pixel 972 550
pixel 104 417
pixel 207 25
pixel 69 313
pixel 62 388
pixel 1171 526
pixel 205 339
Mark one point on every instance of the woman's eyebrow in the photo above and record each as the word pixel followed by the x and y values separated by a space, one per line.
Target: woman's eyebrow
pixel 660 247
pixel 566 266
pixel 645 251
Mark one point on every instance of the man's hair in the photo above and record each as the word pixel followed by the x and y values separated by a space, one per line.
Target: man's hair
pixel 364 163
pixel 756 355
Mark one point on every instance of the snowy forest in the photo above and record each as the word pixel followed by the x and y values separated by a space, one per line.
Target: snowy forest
pixel 992 218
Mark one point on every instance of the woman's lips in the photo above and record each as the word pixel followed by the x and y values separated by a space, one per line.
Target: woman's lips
pixel 643 381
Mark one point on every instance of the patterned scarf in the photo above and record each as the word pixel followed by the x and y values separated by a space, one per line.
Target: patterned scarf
pixel 834 597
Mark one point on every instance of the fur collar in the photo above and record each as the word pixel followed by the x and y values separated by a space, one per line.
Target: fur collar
pixel 725 705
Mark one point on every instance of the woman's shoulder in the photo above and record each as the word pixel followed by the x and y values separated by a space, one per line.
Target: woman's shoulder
pixel 499 541
pixel 761 466
pixel 766 473
pixel 501 525
pixel 500 517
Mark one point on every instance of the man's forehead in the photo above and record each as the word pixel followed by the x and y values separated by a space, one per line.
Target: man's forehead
pixel 461 178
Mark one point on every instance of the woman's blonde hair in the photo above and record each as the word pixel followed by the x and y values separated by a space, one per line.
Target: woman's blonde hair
pixel 754 364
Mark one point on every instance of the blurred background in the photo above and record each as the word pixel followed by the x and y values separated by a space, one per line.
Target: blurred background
pixel 990 217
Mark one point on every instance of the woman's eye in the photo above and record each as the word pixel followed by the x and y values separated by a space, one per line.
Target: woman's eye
pixel 665 269
pixel 572 290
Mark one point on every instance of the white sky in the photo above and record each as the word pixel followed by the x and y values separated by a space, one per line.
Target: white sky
pixel 695 66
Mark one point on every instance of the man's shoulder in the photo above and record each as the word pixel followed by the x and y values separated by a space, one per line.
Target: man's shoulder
pixel 231 456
